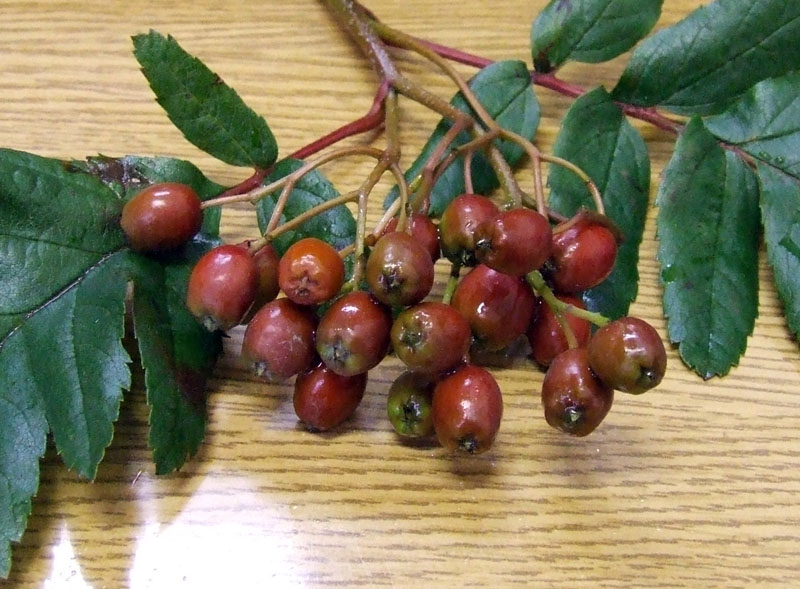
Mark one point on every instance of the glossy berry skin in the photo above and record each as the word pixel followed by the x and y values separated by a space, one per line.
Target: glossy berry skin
pixel 498 306
pixel 430 337
pixel 279 340
pixel 545 336
pixel 457 226
pixel 324 399
pixel 515 242
pixel 575 400
pixel 409 405
pixel 423 230
pixel 353 334
pixel 467 410
pixel 399 270
pixel 310 272
pixel 583 255
pixel 162 217
pixel 267 260
pixel 222 287
pixel 628 355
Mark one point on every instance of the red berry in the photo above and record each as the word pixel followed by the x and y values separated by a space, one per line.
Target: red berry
pixel 628 355
pixel 498 306
pixel 467 410
pixel 515 242
pixel 547 338
pixel 575 400
pixel 457 227
pixel 399 270
pixel 279 340
pixel 324 399
pixel 162 217
pixel 584 252
pixel 409 405
pixel 311 271
pixel 430 337
pixel 423 230
pixel 222 287
pixel 267 260
pixel 353 335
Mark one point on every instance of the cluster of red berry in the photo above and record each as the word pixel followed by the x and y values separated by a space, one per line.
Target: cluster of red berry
pixel 329 340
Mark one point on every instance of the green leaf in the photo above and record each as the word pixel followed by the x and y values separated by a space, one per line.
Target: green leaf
pixel 58 371
pixel 708 227
pixel 765 122
pixel 62 370
pixel 705 61
pixel 54 225
pixel 207 111
pixel 177 354
pixel 596 136
pixel 504 89
pixel 591 31
pixel 62 308
pixel 780 211
pixel 335 226
pixel 130 174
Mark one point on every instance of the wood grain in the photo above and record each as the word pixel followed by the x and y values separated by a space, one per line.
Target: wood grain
pixel 693 485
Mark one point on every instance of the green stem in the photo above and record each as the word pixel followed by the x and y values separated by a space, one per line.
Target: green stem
pixel 559 307
pixel 452 283
pixel 302 218
pixel 256 194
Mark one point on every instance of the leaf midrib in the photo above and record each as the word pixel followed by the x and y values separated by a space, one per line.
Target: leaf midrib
pixel 208 113
pixel 75 282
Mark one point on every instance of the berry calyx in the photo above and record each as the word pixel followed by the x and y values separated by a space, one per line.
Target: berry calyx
pixel 584 252
pixel 222 287
pixel 423 230
pixel 311 271
pixel 497 306
pixel 430 337
pixel 457 226
pixel 162 217
pixel 575 400
pixel 409 405
pixel 323 399
pixel 279 340
pixel 545 335
pixel 514 242
pixel 399 270
pixel 467 410
pixel 353 334
pixel 628 355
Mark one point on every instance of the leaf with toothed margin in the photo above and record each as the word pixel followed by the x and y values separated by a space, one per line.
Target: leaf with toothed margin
pixel 780 211
pixel 62 305
pixel 591 31
pixel 177 354
pixel 708 231
pixel 704 62
pixel 209 113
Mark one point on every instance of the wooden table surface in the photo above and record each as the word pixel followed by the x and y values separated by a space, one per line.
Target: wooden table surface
pixel 695 484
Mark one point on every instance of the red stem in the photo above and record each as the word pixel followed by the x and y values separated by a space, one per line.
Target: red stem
pixel 369 121
pixel 247 185
pixel 550 81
